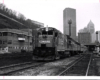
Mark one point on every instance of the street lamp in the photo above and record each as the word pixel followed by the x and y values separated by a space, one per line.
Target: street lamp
pixel 97 38
pixel 97 42
pixel 70 22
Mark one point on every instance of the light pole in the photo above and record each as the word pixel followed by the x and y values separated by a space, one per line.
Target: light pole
pixel 97 42
pixel 97 37
pixel 70 22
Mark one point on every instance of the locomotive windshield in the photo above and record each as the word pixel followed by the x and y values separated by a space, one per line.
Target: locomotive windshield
pixel 50 32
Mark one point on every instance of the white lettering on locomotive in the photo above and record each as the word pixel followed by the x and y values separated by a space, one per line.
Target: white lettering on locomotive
pixel 44 41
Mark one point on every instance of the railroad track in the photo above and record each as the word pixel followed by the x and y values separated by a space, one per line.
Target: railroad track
pixel 8 70
pixel 79 67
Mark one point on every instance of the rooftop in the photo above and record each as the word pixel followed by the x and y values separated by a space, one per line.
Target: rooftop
pixel 27 33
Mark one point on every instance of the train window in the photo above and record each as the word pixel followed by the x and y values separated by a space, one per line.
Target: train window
pixel 56 34
pixel 44 32
pixel 50 32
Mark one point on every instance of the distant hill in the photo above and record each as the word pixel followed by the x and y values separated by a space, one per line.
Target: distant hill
pixel 9 19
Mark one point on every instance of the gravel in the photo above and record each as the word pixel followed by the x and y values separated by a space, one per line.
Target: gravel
pixel 48 69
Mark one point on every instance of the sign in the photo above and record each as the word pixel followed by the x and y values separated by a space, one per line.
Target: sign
pixel 44 41
pixel 21 39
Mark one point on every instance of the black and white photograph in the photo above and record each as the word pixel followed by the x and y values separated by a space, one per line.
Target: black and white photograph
pixel 50 38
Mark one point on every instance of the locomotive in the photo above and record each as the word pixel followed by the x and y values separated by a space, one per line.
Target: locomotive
pixel 50 44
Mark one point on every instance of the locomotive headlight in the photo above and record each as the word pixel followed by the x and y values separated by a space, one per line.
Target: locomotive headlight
pixel 46 28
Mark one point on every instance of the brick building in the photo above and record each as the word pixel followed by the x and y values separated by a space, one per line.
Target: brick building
pixel 14 40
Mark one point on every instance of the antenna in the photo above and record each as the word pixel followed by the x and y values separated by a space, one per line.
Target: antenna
pixel 47 28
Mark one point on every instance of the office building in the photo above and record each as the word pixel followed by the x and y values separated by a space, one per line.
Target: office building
pixel 90 27
pixel 69 14
pixel 84 38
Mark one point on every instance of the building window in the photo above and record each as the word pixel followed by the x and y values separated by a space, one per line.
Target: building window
pixel 30 43
pixel 9 42
pixel 0 41
pixel 5 34
pixel 10 47
pixel 21 48
pixel 9 34
pixel 4 42
pixel 1 34
pixel 15 35
pixel 26 47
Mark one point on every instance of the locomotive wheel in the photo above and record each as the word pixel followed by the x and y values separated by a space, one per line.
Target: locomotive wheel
pixel 57 56
pixel 53 58
pixel 69 55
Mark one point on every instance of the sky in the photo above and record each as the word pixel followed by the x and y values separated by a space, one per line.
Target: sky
pixel 50 12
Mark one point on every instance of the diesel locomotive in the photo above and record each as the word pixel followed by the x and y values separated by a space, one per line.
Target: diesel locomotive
pixel 50 44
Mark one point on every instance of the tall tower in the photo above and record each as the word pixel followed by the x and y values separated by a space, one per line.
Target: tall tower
pixel 90 27
pixel 69 14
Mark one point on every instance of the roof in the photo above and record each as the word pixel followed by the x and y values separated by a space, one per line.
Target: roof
pixel 49 28
pixel 27 33
pixel 93 44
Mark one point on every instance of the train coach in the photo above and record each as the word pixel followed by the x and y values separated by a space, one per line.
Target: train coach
pixel 51 44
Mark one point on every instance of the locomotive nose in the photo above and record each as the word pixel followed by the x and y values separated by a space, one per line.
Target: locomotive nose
pixel 43 45
pixel 44 36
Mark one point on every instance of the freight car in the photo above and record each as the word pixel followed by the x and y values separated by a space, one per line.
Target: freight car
pixel 51 44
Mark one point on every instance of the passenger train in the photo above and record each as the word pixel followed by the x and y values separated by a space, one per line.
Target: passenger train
pixel 51 44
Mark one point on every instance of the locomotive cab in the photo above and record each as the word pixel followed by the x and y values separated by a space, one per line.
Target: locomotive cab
pixel 45 45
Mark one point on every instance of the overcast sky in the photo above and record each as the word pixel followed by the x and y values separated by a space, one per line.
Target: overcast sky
pixel 50 12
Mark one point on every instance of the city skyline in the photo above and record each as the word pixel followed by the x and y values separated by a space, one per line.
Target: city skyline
pixel 90 28
pixel 50 13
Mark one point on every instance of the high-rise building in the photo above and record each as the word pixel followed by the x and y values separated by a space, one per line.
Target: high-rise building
pixel 90 27
pixel 69 14
pixel 85 29
pixel 84 38
pixel 81 31
pixel 87 32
